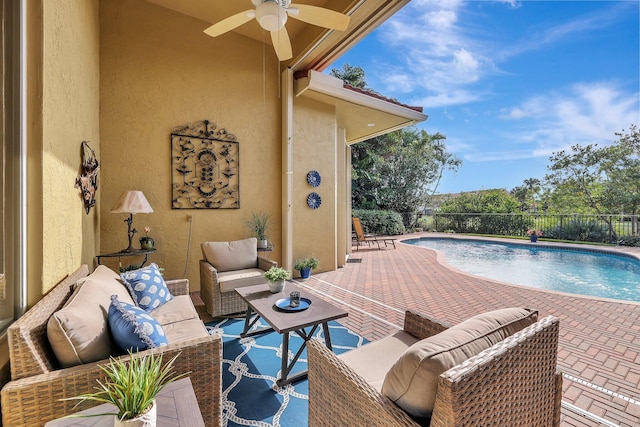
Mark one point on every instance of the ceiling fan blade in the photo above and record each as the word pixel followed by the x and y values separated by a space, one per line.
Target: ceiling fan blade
pixel 230 23
pixel 282 44
pixel 319 16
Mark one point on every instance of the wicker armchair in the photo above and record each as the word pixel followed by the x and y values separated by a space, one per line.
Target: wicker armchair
pixel 33 396
pixel 513 383
pixel 226 266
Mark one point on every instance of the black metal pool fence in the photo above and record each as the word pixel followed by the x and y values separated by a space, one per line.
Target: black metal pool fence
pixel 617 229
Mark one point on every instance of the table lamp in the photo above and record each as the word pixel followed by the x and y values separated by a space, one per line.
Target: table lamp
pixel 131 202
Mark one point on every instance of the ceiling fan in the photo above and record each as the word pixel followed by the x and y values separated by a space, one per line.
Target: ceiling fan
pixel 273 14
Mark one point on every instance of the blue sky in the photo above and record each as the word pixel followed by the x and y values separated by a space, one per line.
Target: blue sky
pixel 509 82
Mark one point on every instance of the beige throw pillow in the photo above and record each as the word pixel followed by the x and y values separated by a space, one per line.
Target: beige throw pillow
pixel 412 381
pixel 79 332
pixel 236 255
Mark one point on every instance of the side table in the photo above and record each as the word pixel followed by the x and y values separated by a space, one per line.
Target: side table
pixel 266 252
pixel 137 252
pixel 177 406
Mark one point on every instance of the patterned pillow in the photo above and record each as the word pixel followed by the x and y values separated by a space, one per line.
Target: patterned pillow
pixel 147 287
pixel 134 329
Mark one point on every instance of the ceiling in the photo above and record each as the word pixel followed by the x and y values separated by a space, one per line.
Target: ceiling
pixel 313 47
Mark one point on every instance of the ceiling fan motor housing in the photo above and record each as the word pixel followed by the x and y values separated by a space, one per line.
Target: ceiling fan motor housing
pixel 271 14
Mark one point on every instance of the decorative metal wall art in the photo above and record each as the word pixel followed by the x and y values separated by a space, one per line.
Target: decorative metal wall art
pixel 88 179
pixel 205 167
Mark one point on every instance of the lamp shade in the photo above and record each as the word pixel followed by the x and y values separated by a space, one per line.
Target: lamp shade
pixel 132 202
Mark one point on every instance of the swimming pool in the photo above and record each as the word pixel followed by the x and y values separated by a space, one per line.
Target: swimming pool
pixel 574 271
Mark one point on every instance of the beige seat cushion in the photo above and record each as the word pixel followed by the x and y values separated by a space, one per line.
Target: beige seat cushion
pixel 372 361
pixel 185 330
pixel 412 381
pixel 236 255
pixel 230 280
pixel 79 332
pixel 178 309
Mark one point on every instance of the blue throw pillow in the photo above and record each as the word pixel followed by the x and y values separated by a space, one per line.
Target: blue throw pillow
pixel 147 287
pixel 132 328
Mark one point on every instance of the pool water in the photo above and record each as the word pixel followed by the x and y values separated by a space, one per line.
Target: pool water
pixel 574 271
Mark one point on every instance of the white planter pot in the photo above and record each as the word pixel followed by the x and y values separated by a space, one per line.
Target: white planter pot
pixel 276 287
pixel 147 419
pixel 262 244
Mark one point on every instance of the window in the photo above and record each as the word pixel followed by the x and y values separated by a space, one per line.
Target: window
pixel 11 161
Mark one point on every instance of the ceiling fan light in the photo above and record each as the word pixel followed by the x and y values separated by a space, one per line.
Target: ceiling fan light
pixel 271 16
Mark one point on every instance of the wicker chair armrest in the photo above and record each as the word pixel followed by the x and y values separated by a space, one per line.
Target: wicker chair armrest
pixel 265 264
pixel 178 286
pixel 209 267
pixel 35 400
pixel 515 382
pixel 422 326
pixel 338 396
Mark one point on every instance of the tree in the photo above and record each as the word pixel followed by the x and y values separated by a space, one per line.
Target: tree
pixel 352 75
pixel 398 171
pixel 597 179
pixel 468 213
pixel 411 171
pixel 527 194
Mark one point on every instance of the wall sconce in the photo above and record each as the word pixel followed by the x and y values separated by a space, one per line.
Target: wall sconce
pixel 131 202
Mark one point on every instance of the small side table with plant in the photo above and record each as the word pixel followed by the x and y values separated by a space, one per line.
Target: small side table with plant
pixel 132 386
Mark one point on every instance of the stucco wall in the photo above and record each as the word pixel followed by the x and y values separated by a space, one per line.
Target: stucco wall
pixel 314 148
pixel 70 102
pixel 158 71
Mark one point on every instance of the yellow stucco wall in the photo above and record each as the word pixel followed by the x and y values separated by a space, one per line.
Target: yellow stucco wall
pixel 314 148
pixel 159 70
pixel 62 84
pixel 70 114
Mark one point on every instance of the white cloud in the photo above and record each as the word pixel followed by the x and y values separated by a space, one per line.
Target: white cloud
pixel 436 55
pixel 584 113
pixel 441 49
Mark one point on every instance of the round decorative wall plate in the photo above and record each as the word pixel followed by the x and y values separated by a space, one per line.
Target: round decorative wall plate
pixel 313 178
pixel 314 201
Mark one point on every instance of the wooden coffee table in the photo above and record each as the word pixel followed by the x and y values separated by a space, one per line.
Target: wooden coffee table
pixel 261 303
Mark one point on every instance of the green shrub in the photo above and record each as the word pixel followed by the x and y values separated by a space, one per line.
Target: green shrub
pixel 387 223
pixel 581 231
pixel 629 241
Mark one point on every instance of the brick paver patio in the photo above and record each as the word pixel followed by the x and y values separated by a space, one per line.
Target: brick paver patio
pixel 599 352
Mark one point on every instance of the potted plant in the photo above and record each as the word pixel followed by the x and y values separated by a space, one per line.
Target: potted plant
pixel 132 386
pixel 276 277
pixel 146 242
pixel 534 234
pixel 305 265
pixel 257 225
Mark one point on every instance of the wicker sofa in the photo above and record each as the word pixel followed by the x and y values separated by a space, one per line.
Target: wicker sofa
pixel 512 383
pixel 226 266
pixel 38 381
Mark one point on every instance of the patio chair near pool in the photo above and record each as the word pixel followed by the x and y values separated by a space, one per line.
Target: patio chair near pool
pixel 361 237
pixel 497 368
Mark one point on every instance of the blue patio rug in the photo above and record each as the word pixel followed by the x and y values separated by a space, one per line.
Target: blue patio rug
pixel 251 366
